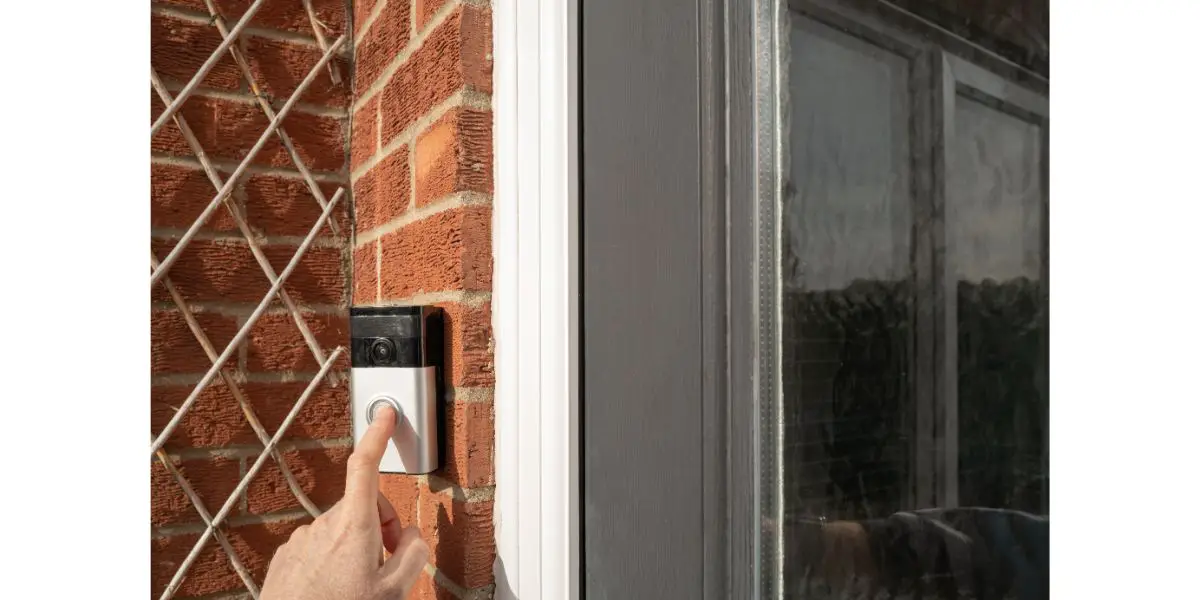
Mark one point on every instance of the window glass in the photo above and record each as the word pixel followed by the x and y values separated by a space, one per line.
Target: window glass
pixel 993 219
pixel 912 311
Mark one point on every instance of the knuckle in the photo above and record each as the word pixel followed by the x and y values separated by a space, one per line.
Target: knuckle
pixel 279 553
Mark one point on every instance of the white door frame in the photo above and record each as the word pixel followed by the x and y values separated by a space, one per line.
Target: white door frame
pixel 535 299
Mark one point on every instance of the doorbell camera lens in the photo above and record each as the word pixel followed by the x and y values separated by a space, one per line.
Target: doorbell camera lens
pixel 395 337
pixel 383 351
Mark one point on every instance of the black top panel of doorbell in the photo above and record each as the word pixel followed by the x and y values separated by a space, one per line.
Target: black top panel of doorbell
pixel 395 336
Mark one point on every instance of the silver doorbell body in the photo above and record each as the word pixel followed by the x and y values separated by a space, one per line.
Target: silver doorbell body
pixel 396 360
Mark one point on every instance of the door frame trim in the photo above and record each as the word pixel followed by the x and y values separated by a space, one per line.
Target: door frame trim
pixel 536 299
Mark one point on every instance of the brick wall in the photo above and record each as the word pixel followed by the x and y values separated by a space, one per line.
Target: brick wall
pixel 221 283
pixel 404 121
pixel 421 170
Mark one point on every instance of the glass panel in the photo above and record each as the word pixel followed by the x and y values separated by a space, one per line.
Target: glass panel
pixel 993 220
pixel 847 293
pixel 912 321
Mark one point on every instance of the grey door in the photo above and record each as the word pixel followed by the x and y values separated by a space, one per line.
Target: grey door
pixel 653 356
pixel 815 283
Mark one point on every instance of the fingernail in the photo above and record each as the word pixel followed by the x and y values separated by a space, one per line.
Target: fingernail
pixel 383 411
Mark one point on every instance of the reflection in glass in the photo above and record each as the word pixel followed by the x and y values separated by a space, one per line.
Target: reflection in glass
pixel 888 315
pixel 847 270
pixel 993 221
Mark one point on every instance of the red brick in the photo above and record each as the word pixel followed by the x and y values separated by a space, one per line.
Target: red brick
pixel 287 15
pixel 179 194
pixel 456 54
pixel 363 134
pixel 425 9
pixel 476 32
pixel 285 206
pixel 362 10
pixel 460 537
pixel 383 193
pixel 209 574
pixel 256 544
pixel 469 358
pixel 173 347
pixel 404 494
pixel 325 416
pixel 212 573
pixel 447 251
pixel 366 276
pixel 470 437
pixel 227 130
pixel 279 67
pixel 216 419
pixel 321 473
pixel 275 343
pixel 454 155
pixel 212 480
pixel 388 35
pixel 428 589
pixel 226 271
pixel 178 48
pixel 273 205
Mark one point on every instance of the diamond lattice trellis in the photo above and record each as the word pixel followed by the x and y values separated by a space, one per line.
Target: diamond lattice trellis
pixel 224 194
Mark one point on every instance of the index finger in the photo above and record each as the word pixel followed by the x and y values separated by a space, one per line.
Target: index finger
pixel 362 468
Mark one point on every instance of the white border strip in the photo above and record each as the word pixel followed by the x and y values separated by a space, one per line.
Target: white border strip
pixel 535 248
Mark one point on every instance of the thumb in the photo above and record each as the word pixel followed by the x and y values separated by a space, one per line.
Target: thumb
pixel 404 566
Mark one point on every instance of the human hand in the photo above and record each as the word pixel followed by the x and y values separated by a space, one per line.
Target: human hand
pixel 339 556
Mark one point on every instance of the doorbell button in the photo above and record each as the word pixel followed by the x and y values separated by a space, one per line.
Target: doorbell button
pixel 384 401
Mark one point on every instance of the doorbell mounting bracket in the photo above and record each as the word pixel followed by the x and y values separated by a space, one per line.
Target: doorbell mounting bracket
pixel 396 359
